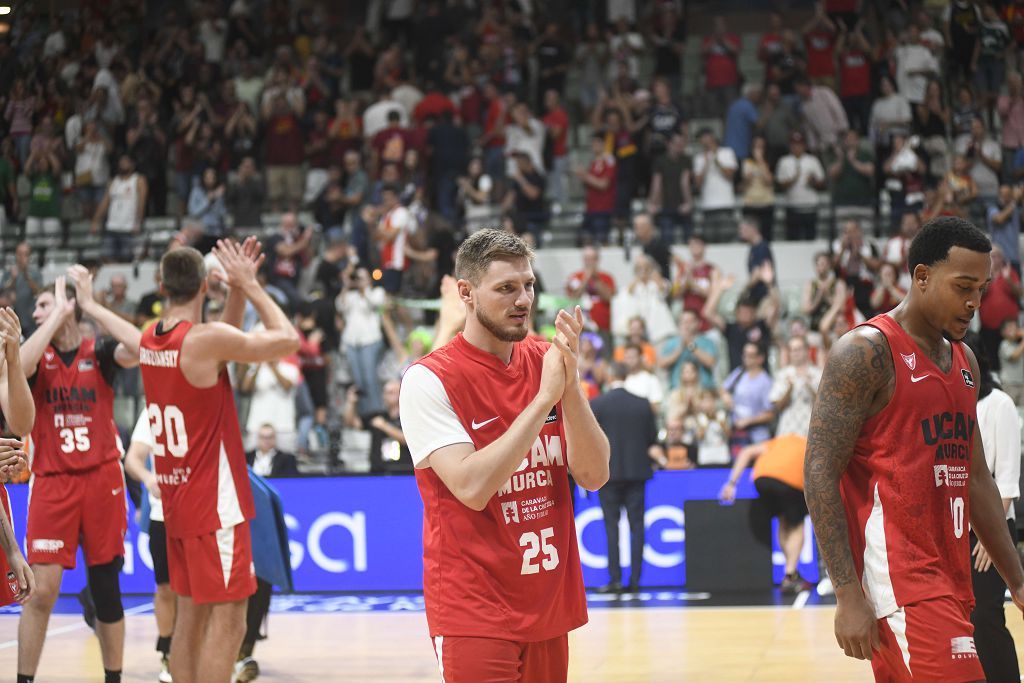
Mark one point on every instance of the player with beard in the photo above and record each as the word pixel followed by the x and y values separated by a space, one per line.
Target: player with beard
pixel 495 428
pixel 895 473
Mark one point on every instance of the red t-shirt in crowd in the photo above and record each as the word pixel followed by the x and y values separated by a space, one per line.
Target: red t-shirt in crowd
pixel 600 309
pixel 602 201
pixel 558 118
pixel 999 304
pixel 771 43
pixel 820 45
pixel 284 141
pixel 854 74
pixel 720 64
pixel 390 145
pixel 495 112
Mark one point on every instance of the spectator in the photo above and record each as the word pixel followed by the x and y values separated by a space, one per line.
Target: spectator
pixel 695 278
pixel 389 144
pixel 591 58
pixel 682 401
pixel 286 255
pixel 525 198
pixel 690 346
pixel 639 380
pixel 720 52
pixel 644 298
pixel 357 193
pixel 904 171
pixel 552 60
pixel 362 339
pixel 887 292
pixel 92 169
pixel 618 124
pixel 854 52
pixel 746 328
pixel 965 110
pixel 959 186
pixel 654 248
pixel 962 25
pixel 822 291
pixel 1011 360
pixel 758 190
pixel 625 46
pixel 244 198
pixel 394 225
pixel 915 65
pixel 388 450
pixel 709 428
pixel 771 42
pixel 632 433
pixel 668 40
pixel 21 108
pixel 819 44
pixel 989 60
pixel 345 128
pixel 800 175
pixel 594 287
pixel 449 154
pixel 8 190
pixel 741 120
pixel 147 145
pixel 266 461
pixel 318 156
pixel 746 392
pixel 26 281
pixel 281 111
pixel 492 141
pixel 1004 224
pixel 273 386
pixel 889 114
pixel 329 207
pixel 599 181
pixel 556 123
pixel 898 246
pixel 824 116
pixel 999 303
pixel 713 172
pixel 1011 114
pixel 206 204
pixel 116 298
pixel 856 261
pixel 787 64
pixel 475 193
pixel 636 334
pixel 985 158
pixel 664 120
pixel 853 174
pixel 43 169
pixel 931 124
pixel 671 195
pixel 778 121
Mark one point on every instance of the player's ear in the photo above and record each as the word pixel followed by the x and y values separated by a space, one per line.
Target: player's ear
pixel 465 288
pixel 921 275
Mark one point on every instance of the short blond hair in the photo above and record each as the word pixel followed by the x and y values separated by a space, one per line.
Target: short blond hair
pixel 482 248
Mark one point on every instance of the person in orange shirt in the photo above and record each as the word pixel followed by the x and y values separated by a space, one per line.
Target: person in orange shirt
pixel 778 476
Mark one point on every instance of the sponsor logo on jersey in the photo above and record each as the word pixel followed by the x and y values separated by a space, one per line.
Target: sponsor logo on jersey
pixel 963 647
pixel 86 365
pixel 552 416
pixel 510 511
pixel 48 355
pixel 12 583
pixel 910 360
pixel 968 379
pixel 47 545
pixel 160 359
pixel 950 475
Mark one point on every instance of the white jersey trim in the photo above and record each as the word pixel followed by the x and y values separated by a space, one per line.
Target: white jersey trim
pixel 438 649
pixel 428 419
pixel 877 579
pixel 228 508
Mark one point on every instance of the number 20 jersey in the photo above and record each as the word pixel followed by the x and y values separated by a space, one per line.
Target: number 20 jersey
pixel 906 486
pixel 74 429
pixel 511 571
pixel 197 443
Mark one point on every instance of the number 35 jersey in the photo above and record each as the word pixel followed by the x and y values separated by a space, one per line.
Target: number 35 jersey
pixel 74 429
pixel 197 443
pixel 906 486
pixel 511 571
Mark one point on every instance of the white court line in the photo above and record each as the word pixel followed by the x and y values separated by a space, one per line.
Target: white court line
pixel 138 609
pixel 801 599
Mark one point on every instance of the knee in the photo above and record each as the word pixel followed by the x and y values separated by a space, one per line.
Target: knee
pixel 105 584
pixel 45 594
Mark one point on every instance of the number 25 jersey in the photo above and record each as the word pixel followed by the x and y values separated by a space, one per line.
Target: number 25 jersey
pixel 197 443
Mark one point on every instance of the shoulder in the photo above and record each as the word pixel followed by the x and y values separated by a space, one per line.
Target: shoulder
pixel 862 355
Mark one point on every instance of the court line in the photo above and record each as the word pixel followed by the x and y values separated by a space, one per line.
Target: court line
pixel 801 599
pixel 138 609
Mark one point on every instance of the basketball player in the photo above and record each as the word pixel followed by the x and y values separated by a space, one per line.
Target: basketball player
pixel 78 491
pixel 197 448
pixel 895 471
pixel 495 428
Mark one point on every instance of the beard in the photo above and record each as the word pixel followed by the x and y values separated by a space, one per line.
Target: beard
pixel 505 333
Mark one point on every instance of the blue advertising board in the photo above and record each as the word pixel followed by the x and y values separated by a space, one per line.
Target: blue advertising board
pixel 365 533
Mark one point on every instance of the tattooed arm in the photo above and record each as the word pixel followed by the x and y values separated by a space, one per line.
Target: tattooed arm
pixel 856 384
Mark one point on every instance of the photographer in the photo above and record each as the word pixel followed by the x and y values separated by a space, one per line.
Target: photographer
pixel 1003 223
pixel 359 304
pixel 388 450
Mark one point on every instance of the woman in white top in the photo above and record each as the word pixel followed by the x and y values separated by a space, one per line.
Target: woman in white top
pixel 758 193
pixel 92 167
pixel 475 193
pixel 359 304
pixel 999 425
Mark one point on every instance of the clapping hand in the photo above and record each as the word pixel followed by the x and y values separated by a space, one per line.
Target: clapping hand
pixel 241 262
pixel 10 333
pixel 567 339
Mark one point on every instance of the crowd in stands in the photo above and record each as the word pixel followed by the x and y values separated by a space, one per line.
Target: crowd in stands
pixel 365 139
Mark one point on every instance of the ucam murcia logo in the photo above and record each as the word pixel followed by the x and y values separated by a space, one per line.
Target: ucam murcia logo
pixel 963 648
pixel 910 360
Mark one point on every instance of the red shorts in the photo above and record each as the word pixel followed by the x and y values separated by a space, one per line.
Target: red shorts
pixel 214 567
pixel 489 660
pixel 64 509
pixel 932 640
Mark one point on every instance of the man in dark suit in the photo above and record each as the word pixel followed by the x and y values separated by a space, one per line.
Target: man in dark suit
pixel 632 431
pixel 266 461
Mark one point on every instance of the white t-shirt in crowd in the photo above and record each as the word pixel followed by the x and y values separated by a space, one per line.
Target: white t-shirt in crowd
pixel 362 316
pixel 910 59
pixel 645 385
pixel 999 425
pixel 804 169
pixel 717 191
pixel 141 434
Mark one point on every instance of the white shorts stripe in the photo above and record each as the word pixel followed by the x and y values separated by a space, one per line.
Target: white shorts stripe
pixel 438 644
pixel 226 549
pixel 898 623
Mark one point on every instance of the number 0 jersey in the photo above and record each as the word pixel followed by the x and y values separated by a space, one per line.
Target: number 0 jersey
pixel 197 444
pixel 74 429
pixel 511 571
pixel 906 487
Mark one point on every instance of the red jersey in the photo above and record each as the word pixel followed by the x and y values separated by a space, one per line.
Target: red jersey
pixel 390 145
pixel 197 444
pixel 720 64
pixel 558 119
pixel 511 571
pixel 495 115
pixel 906 487
pixel 854 74
pixel 998 303
pixel 602 201
pixel 74 429
pixel 701 274
pixel 600 309
pixel 819 45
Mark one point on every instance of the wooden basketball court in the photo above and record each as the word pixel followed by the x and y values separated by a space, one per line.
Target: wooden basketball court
pixel 625 645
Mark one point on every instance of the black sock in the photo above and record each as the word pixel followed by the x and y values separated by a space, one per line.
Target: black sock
pixel 111 676
pixel 22 678
pixel 163 644
pixel 246 650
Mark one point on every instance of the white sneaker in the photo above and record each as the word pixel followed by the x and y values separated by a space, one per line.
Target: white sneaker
pixel 165 671
pixel 245 670
pixel 825 587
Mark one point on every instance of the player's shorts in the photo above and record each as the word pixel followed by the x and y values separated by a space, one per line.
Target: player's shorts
pixel 489 660
pixel 88 507
pixel 781 500
pixel 9 588
pixel 158 551
pixel 932 640
pixel 213 567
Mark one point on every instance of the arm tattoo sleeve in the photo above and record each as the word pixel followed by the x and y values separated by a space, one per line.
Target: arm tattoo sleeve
pixel 858 366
